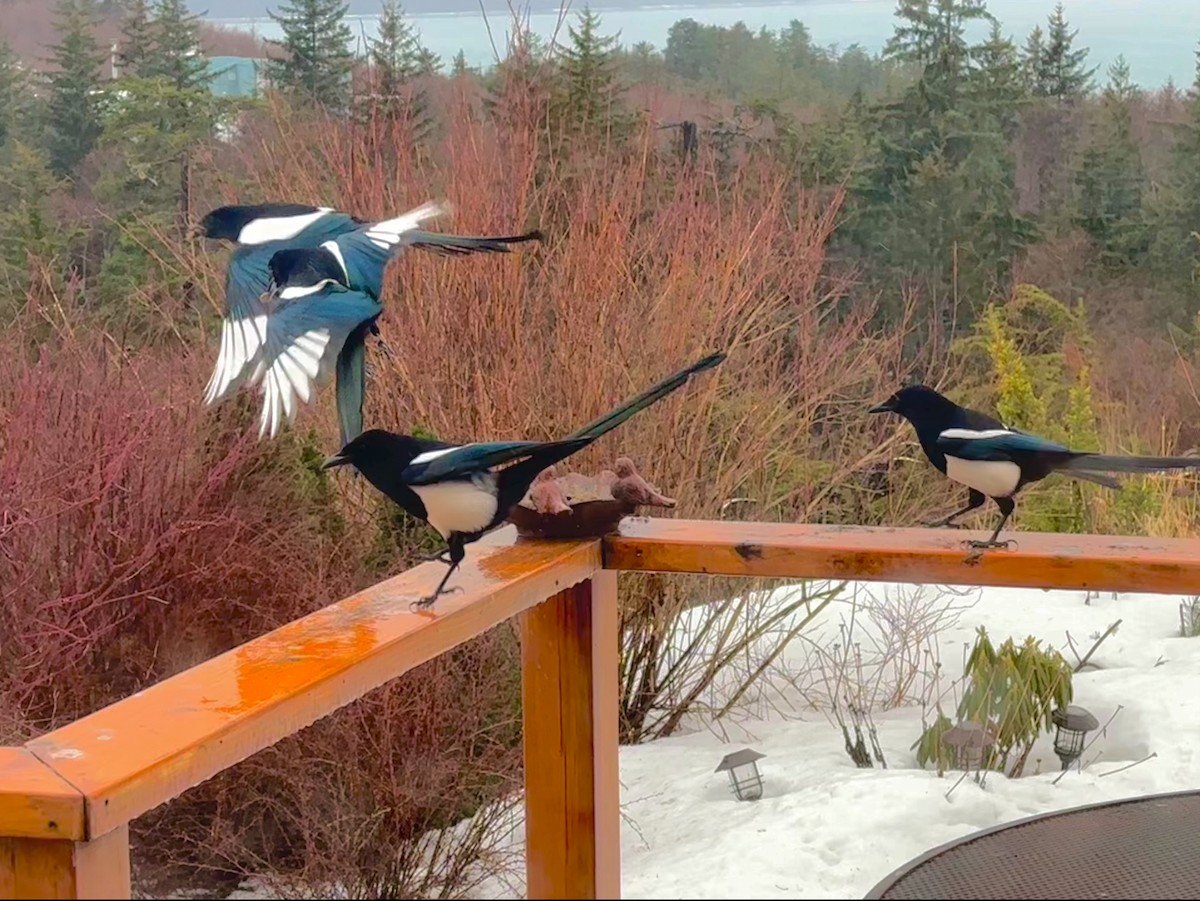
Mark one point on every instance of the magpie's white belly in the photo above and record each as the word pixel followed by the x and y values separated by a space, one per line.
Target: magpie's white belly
pixel 995 478
pixel 459 506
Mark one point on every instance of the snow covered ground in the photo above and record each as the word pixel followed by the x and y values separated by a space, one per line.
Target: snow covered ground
pixel 826 829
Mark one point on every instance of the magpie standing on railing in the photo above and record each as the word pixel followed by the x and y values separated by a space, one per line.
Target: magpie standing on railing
pixel 261 230
pixel 454 487
pixel 992 460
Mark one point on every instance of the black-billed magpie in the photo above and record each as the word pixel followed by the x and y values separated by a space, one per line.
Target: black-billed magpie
pixel 993 460
pixel 454 487
pixel 261 230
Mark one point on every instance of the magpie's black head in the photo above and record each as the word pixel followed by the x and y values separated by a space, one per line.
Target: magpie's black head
pixel 917 403
pixel 226 222
pixel 304 267
pixel 376 451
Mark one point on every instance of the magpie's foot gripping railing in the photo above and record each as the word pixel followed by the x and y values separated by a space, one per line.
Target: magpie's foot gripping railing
pixel 66 799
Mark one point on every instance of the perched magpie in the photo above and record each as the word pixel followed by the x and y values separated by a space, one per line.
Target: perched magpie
pixel 362 250
pixel 454 488
pixel 996 461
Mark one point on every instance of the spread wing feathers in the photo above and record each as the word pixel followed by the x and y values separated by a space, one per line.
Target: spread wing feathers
pixel 992 445
pixel 609 421
pixel 304 337
pixel 459 462
pixel 244 328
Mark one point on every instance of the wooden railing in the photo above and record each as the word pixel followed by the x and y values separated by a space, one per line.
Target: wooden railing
pixel 66 799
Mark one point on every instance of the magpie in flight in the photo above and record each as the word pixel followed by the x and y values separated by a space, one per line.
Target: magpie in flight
pixel 992 460
pixel 362 250
pixel 454 487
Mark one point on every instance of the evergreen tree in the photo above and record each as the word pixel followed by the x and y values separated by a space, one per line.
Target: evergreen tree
pixel 136 45
pixel 1032 66
pixel 75 87
pixel 13 91
pixel 998 82
pixel 318 61
pixel 459 67
pixel 936 200
pixel 1062 74
pixel 177 56
pixel 398 60
pixel 1112 177
pixel 588 94
pixel 28 191
pixel 931 34
pixel 1175 216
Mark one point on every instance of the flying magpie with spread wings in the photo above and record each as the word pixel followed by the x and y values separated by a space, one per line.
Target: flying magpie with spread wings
pixel 455 489
pixel 362 250
pixel 993 460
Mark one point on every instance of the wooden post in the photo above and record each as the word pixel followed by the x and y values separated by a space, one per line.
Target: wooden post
pixel 572 790
pixel 53 868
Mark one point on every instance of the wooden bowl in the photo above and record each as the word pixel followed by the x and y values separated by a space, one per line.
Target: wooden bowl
pixel 587 519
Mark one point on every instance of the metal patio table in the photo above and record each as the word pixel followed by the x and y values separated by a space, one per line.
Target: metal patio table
pixel 1147 847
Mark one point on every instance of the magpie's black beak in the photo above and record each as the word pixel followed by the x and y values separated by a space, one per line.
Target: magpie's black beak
pixel 338 459
pixel 886 407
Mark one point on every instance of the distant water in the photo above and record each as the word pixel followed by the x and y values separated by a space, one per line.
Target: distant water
pixel 1157 37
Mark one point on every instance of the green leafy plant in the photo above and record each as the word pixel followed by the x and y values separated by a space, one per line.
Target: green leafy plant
pixel 1010 691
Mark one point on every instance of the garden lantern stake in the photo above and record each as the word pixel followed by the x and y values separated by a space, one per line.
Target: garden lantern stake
pixel 744 777
pixel 1073 724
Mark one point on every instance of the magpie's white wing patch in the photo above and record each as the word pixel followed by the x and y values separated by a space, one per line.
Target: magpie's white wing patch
pixel 389 232
pixel 973 434
pixel 279 228
pixel 333 248
pixel 433 455
pixel 295 292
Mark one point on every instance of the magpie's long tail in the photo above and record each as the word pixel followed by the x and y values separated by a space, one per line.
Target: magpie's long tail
pixel 610 421
pixel 1095 478
pixel 351 386
pixel 1092 464
pixel 464 244
pixel 516 479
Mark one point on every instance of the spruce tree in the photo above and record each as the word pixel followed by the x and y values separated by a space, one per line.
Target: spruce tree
pixel 1031 62
pixel 398 60
pixel 316 43
pixel 931 34
pixel 1063 75
pixel 999 86
pixel 136 45
pixel 177 56
pixel 75 87
pixel 1174 216
pixel 1112 177
pixel 459 67
pixel 12 92
pixel 588 94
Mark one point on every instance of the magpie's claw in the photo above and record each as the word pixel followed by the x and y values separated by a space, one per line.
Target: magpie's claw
pixel 427 601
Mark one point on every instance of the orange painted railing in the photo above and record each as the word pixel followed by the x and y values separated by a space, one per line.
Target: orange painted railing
pixel 66 799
